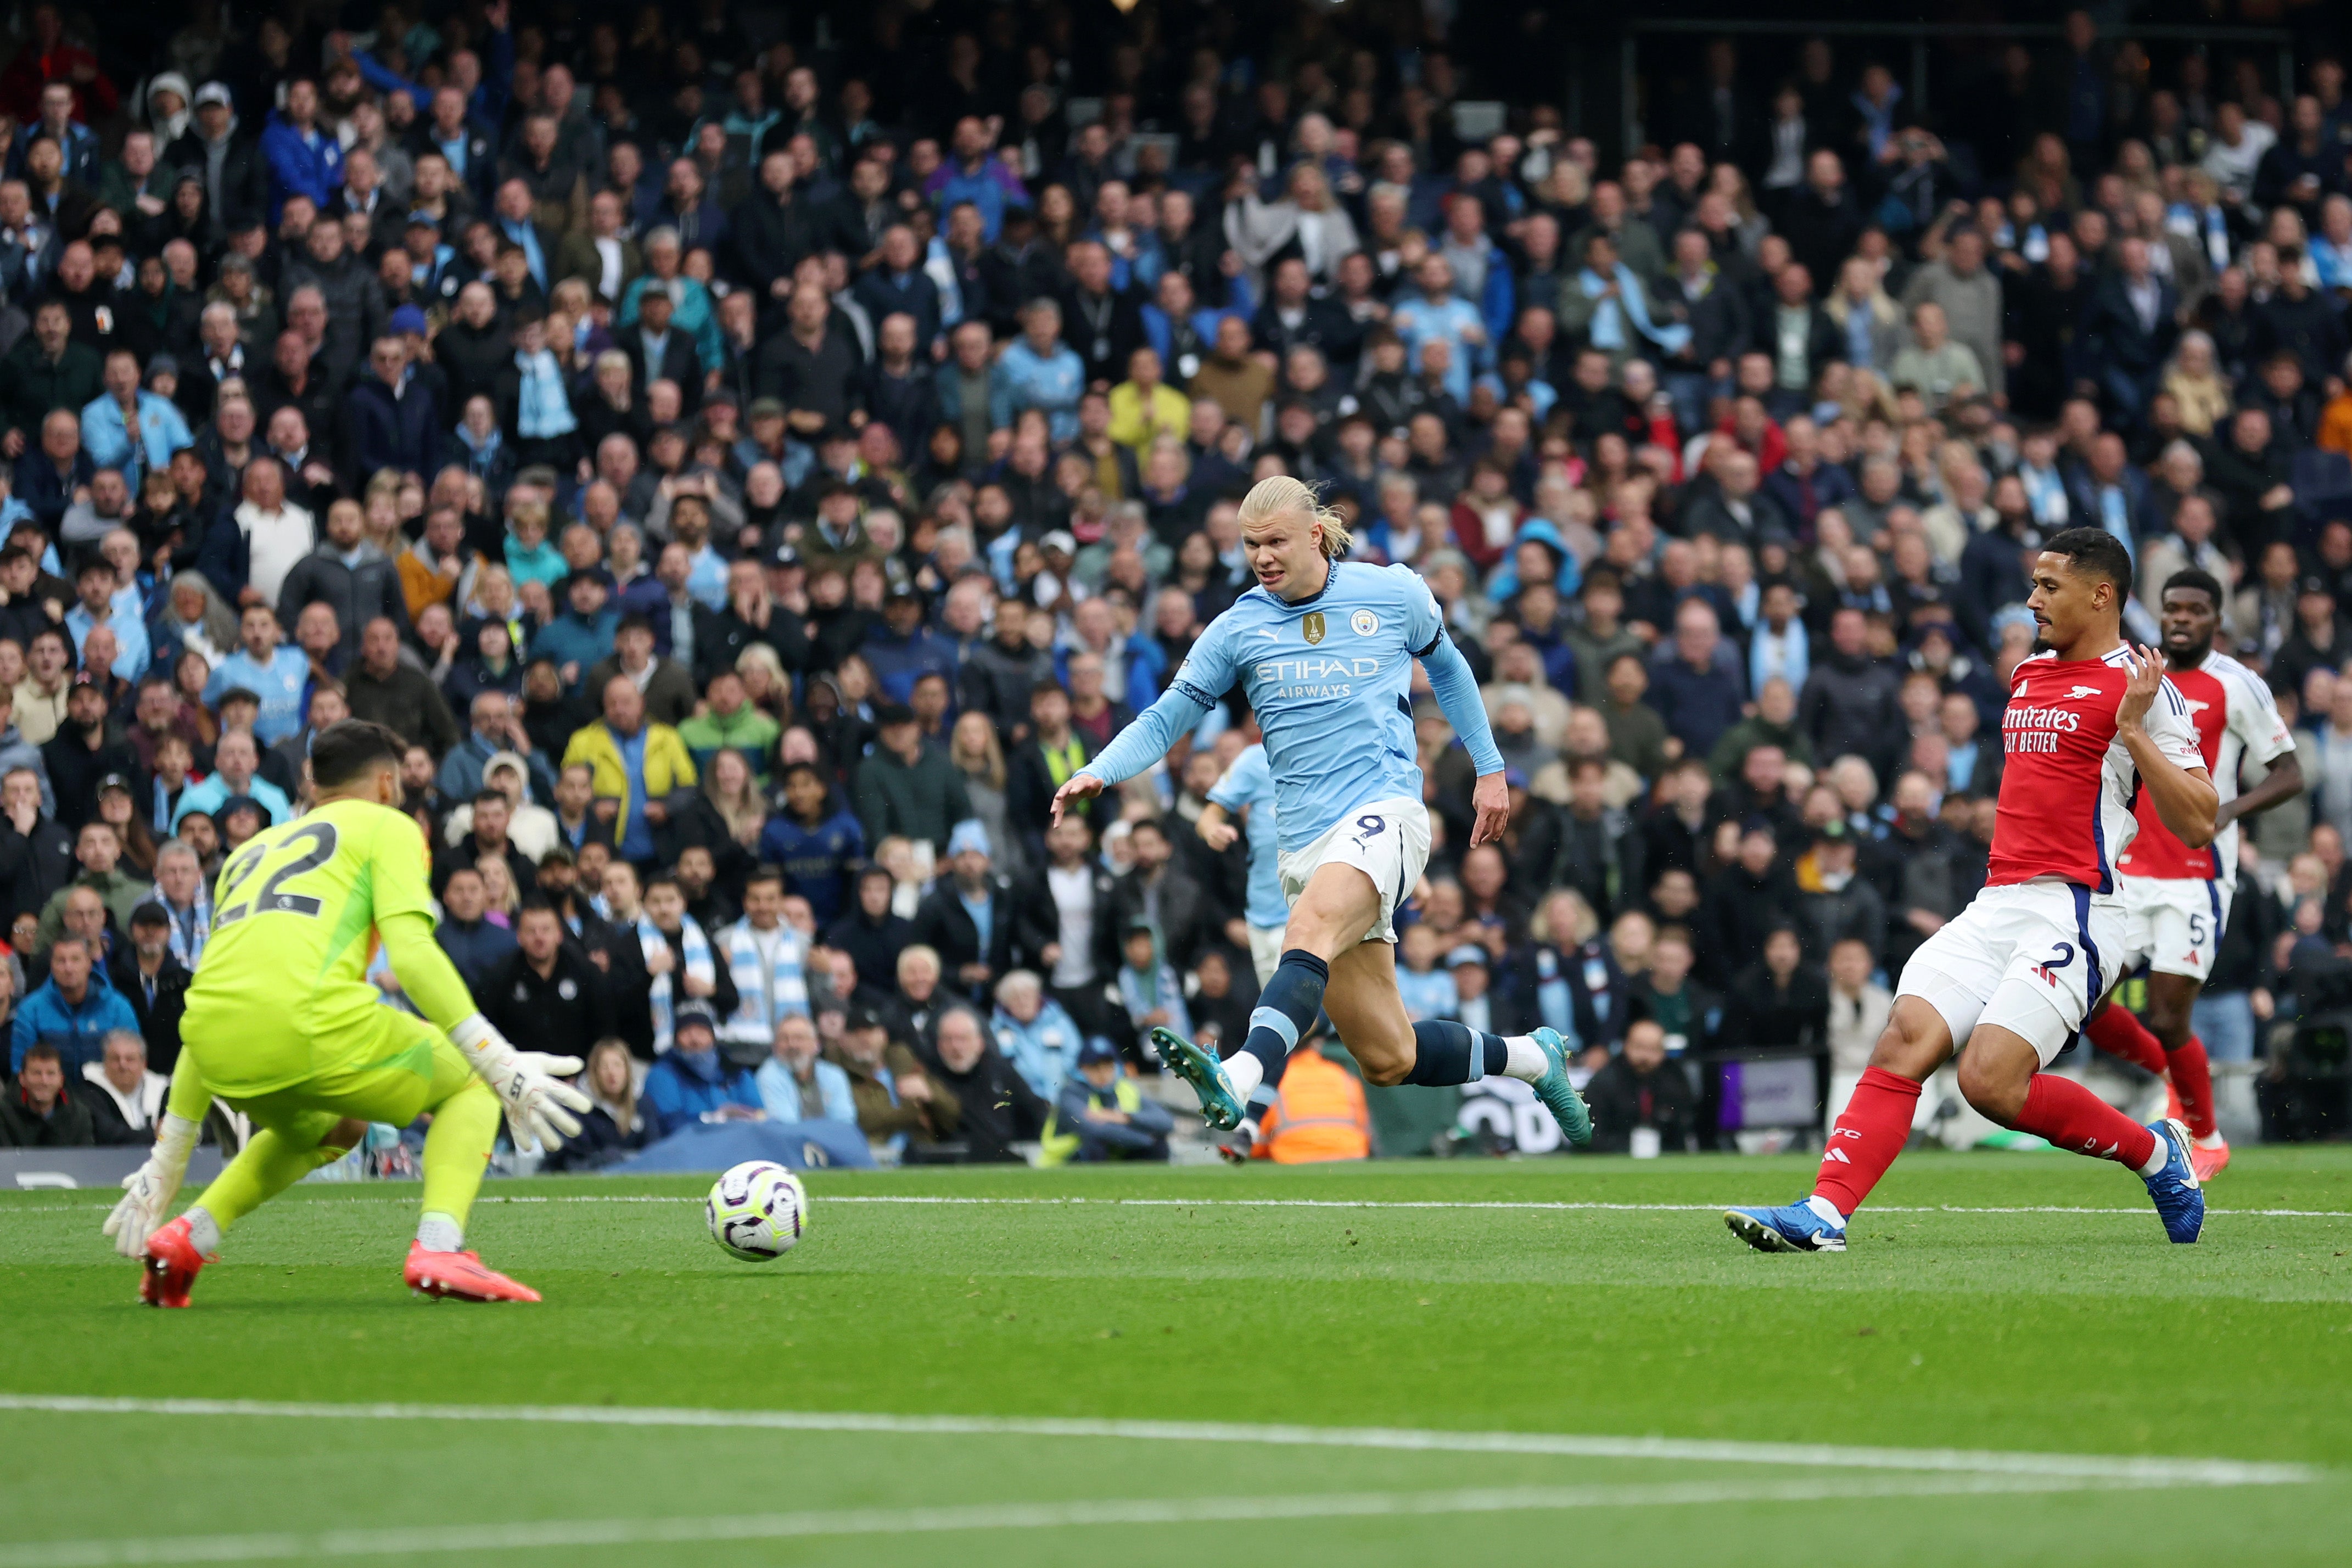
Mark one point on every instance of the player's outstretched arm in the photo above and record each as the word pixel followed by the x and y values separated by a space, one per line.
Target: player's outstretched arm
pixel 2283 783
pixel 148 1192
pixel 1137 746
pixel 539 1105
pixel 2171 768
pixel 1450 676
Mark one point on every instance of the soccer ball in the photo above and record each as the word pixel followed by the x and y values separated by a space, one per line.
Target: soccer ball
pixel 757 1210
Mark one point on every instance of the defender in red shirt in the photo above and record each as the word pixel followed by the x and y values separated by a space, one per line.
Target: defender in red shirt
pixel 2175 899
pixel 2091 727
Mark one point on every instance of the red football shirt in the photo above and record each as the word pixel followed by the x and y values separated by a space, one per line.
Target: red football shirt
pixel 2234 717
pixel 2067 785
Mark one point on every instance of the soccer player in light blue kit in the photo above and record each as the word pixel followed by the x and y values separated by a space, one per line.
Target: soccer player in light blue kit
pixel 1324 648
pixel 1248 786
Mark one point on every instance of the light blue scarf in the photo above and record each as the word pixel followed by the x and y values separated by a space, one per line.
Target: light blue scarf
pixel 698 965
pixel 1633 302
pixel 543 410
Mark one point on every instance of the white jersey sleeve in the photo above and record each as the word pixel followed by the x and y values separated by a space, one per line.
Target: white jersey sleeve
pixel 2255 718
pixel 2169 725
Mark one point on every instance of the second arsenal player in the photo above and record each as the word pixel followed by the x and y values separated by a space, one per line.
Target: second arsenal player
pixel 2090 725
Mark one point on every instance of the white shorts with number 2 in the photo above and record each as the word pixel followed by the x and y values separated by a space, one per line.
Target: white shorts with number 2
pixel 2033 958
pixel 1388 840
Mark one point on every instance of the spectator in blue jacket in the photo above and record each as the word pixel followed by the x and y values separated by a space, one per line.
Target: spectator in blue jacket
pixel 901 284
pixel 796 1084
pixel 1034 1033
pixel 1039 370
pixel 74 1009
pixel 395 420
pixel 474 943
pixel 692 1082
pixel 1696 684
pixel 303 160
pixel 582 634
pixel 974 173
pixel 277 675
pixel 902 650
pixel 108 423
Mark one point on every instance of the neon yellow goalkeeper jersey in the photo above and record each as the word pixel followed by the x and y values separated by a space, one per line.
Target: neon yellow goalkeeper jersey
pixel 282 993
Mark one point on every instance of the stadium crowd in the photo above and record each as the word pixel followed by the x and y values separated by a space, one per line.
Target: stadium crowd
pixel 752 476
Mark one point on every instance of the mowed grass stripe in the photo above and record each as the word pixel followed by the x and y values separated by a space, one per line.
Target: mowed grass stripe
pixel 2141 1212
pixel 2128 1470
pixel 576 1534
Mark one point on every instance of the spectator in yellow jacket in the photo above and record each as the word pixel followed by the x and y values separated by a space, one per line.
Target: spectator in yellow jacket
pixel 635 767
pixel 1143 407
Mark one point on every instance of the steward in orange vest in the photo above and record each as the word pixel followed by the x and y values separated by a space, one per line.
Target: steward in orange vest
pixel 1318 1114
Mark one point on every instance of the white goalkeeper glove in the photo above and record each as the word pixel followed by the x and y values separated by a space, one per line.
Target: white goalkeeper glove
pixel 539 1105
pixel 148 1192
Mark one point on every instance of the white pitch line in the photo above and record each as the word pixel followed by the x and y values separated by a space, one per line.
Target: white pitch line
pixel 557 1535
pixel 2132 1469
pixel 1534 1207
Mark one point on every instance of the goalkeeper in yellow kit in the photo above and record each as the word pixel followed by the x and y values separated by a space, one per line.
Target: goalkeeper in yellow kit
pixel 282 1024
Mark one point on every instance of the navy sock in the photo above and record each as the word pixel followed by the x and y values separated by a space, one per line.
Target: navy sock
pixel 1287 1010
pixel 1446 1052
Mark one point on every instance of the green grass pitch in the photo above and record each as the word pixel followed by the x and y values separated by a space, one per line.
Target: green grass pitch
pixel 1460 1305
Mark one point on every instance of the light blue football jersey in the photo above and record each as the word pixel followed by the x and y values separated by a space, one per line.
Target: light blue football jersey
pixel 1248 786
pixel 1330 679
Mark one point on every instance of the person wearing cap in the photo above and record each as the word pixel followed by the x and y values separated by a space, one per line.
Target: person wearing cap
pixel 970 919
pixel 234 174
pixel 692 1082
pixel 144 973
pixel 87 747
pixel 1101 1115
pixel 838 540
pixel 907 785
pixel 669 690
pixel 901 650
pixel 581 638
pixel 2319 640
pixel 1836 903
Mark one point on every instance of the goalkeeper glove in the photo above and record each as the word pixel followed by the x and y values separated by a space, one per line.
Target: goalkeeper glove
pixel 148 1192
pixel 539 1105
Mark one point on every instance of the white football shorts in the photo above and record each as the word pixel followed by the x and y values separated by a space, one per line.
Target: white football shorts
pixel 2173 924
pixel 1388 840
pixel 2032 958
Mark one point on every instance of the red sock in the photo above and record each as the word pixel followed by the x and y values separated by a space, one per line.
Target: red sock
pixel 1868 1135
pixel 2119 1034
pixel 2192 1075
pixel 2073 1117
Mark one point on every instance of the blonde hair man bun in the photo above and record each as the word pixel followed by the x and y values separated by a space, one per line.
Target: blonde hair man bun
pixel 1282 495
